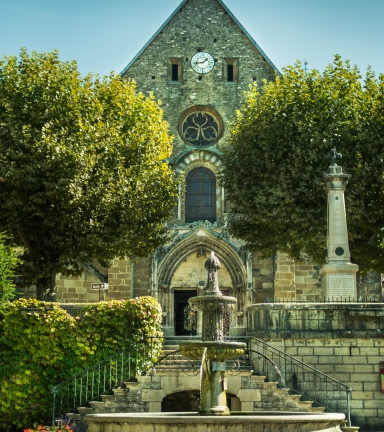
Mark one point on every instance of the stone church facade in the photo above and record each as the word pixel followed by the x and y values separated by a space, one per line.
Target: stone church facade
pixel 199 64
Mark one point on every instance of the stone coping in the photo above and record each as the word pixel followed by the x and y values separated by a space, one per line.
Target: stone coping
pixel 237 418
pixel 189 422
pixel 312 320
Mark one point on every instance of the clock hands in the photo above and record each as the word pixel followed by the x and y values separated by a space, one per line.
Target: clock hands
pixel 202 62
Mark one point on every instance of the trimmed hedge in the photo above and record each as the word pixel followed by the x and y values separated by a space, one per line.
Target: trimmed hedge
pixel 42 345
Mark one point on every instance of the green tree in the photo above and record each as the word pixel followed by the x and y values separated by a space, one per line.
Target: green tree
pixel 8 263
pixel 275 161
pixel 83 167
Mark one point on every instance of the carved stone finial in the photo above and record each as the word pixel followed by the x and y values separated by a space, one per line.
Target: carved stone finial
pixel 212 265
pixel 333 155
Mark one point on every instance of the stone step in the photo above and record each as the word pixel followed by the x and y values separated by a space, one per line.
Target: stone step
pixel 296 397
pixel 85 410
pixel 282 392
pixel 179 359
pixel 175 358
pixel 173 361
pixel 270 385
pixel 74 416
pixel 176 367
pixel 121 391
pixel 318 409
pixel 127 398
pixel 114 397
pixel 305 403
pixel 258 378
pixel 97 404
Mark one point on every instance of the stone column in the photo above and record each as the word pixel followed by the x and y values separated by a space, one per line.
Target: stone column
pixel 213 388
pixel 154 281
pixel 179 205
pixel 338 274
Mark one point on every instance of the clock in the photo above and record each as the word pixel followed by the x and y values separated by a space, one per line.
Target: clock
pixel 202 62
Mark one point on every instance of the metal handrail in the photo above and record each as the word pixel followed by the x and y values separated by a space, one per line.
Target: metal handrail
pixel 138 358
pixel 375 299
pixel 102 377
pixel 302 378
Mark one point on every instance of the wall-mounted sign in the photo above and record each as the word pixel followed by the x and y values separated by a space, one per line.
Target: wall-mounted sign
pixel 99 286
pixel 382 377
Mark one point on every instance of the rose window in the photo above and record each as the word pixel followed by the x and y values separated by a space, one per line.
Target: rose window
pixel 200 129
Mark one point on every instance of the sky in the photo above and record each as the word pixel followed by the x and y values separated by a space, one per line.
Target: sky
pixel 103 36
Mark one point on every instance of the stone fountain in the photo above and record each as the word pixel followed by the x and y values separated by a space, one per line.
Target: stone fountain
pixel 214 415
pixel 212 349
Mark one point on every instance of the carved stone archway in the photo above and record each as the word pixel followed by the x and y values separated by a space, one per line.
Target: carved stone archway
pixel 200 240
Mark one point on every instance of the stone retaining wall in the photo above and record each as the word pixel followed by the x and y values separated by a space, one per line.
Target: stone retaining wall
pixel 343 341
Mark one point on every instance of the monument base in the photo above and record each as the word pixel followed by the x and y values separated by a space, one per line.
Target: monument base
pixel 339 281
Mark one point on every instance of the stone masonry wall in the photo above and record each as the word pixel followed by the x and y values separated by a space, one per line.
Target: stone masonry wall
pixel 344 341
pixel 284 286
pixel 77 289
pixel 279 279
pixel 141 277
pixel 354 363
pixel 201 25
pixel 120 280
pixel 262 279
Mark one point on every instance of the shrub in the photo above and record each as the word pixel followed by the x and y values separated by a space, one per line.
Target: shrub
pixel 42 345
pixel 8 263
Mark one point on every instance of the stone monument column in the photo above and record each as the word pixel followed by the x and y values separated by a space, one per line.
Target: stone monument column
pixel 338 274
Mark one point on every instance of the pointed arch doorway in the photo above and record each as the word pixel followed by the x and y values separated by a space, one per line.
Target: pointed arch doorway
pixel 188 281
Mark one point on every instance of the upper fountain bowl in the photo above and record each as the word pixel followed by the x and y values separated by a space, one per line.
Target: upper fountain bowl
pixel 212 302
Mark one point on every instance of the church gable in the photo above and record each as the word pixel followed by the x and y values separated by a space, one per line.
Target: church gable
pixel 203 15
pixel 200 33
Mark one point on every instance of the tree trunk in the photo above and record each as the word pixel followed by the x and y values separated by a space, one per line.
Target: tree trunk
pixel 45 288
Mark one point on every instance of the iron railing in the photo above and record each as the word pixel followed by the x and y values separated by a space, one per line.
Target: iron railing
pixel 102 377
pixel 320 300
pixel 300 378
pixel 142 358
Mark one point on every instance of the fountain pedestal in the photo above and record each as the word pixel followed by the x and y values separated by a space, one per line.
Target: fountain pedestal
pixel 213 395
pixel 214 413
pixel 212 350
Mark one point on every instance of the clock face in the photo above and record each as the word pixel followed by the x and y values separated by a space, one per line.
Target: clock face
pixel 202 62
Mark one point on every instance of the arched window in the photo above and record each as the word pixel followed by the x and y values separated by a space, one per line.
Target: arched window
pixel 200 200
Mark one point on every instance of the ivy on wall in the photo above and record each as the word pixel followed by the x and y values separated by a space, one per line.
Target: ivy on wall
pixel 42 345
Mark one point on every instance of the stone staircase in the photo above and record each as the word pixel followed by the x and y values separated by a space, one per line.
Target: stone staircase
pixel 247 390
pixel 175 361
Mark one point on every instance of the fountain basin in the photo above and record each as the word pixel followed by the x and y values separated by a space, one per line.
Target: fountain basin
pixel 212 302
pixel 216 351
pixel 190 422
